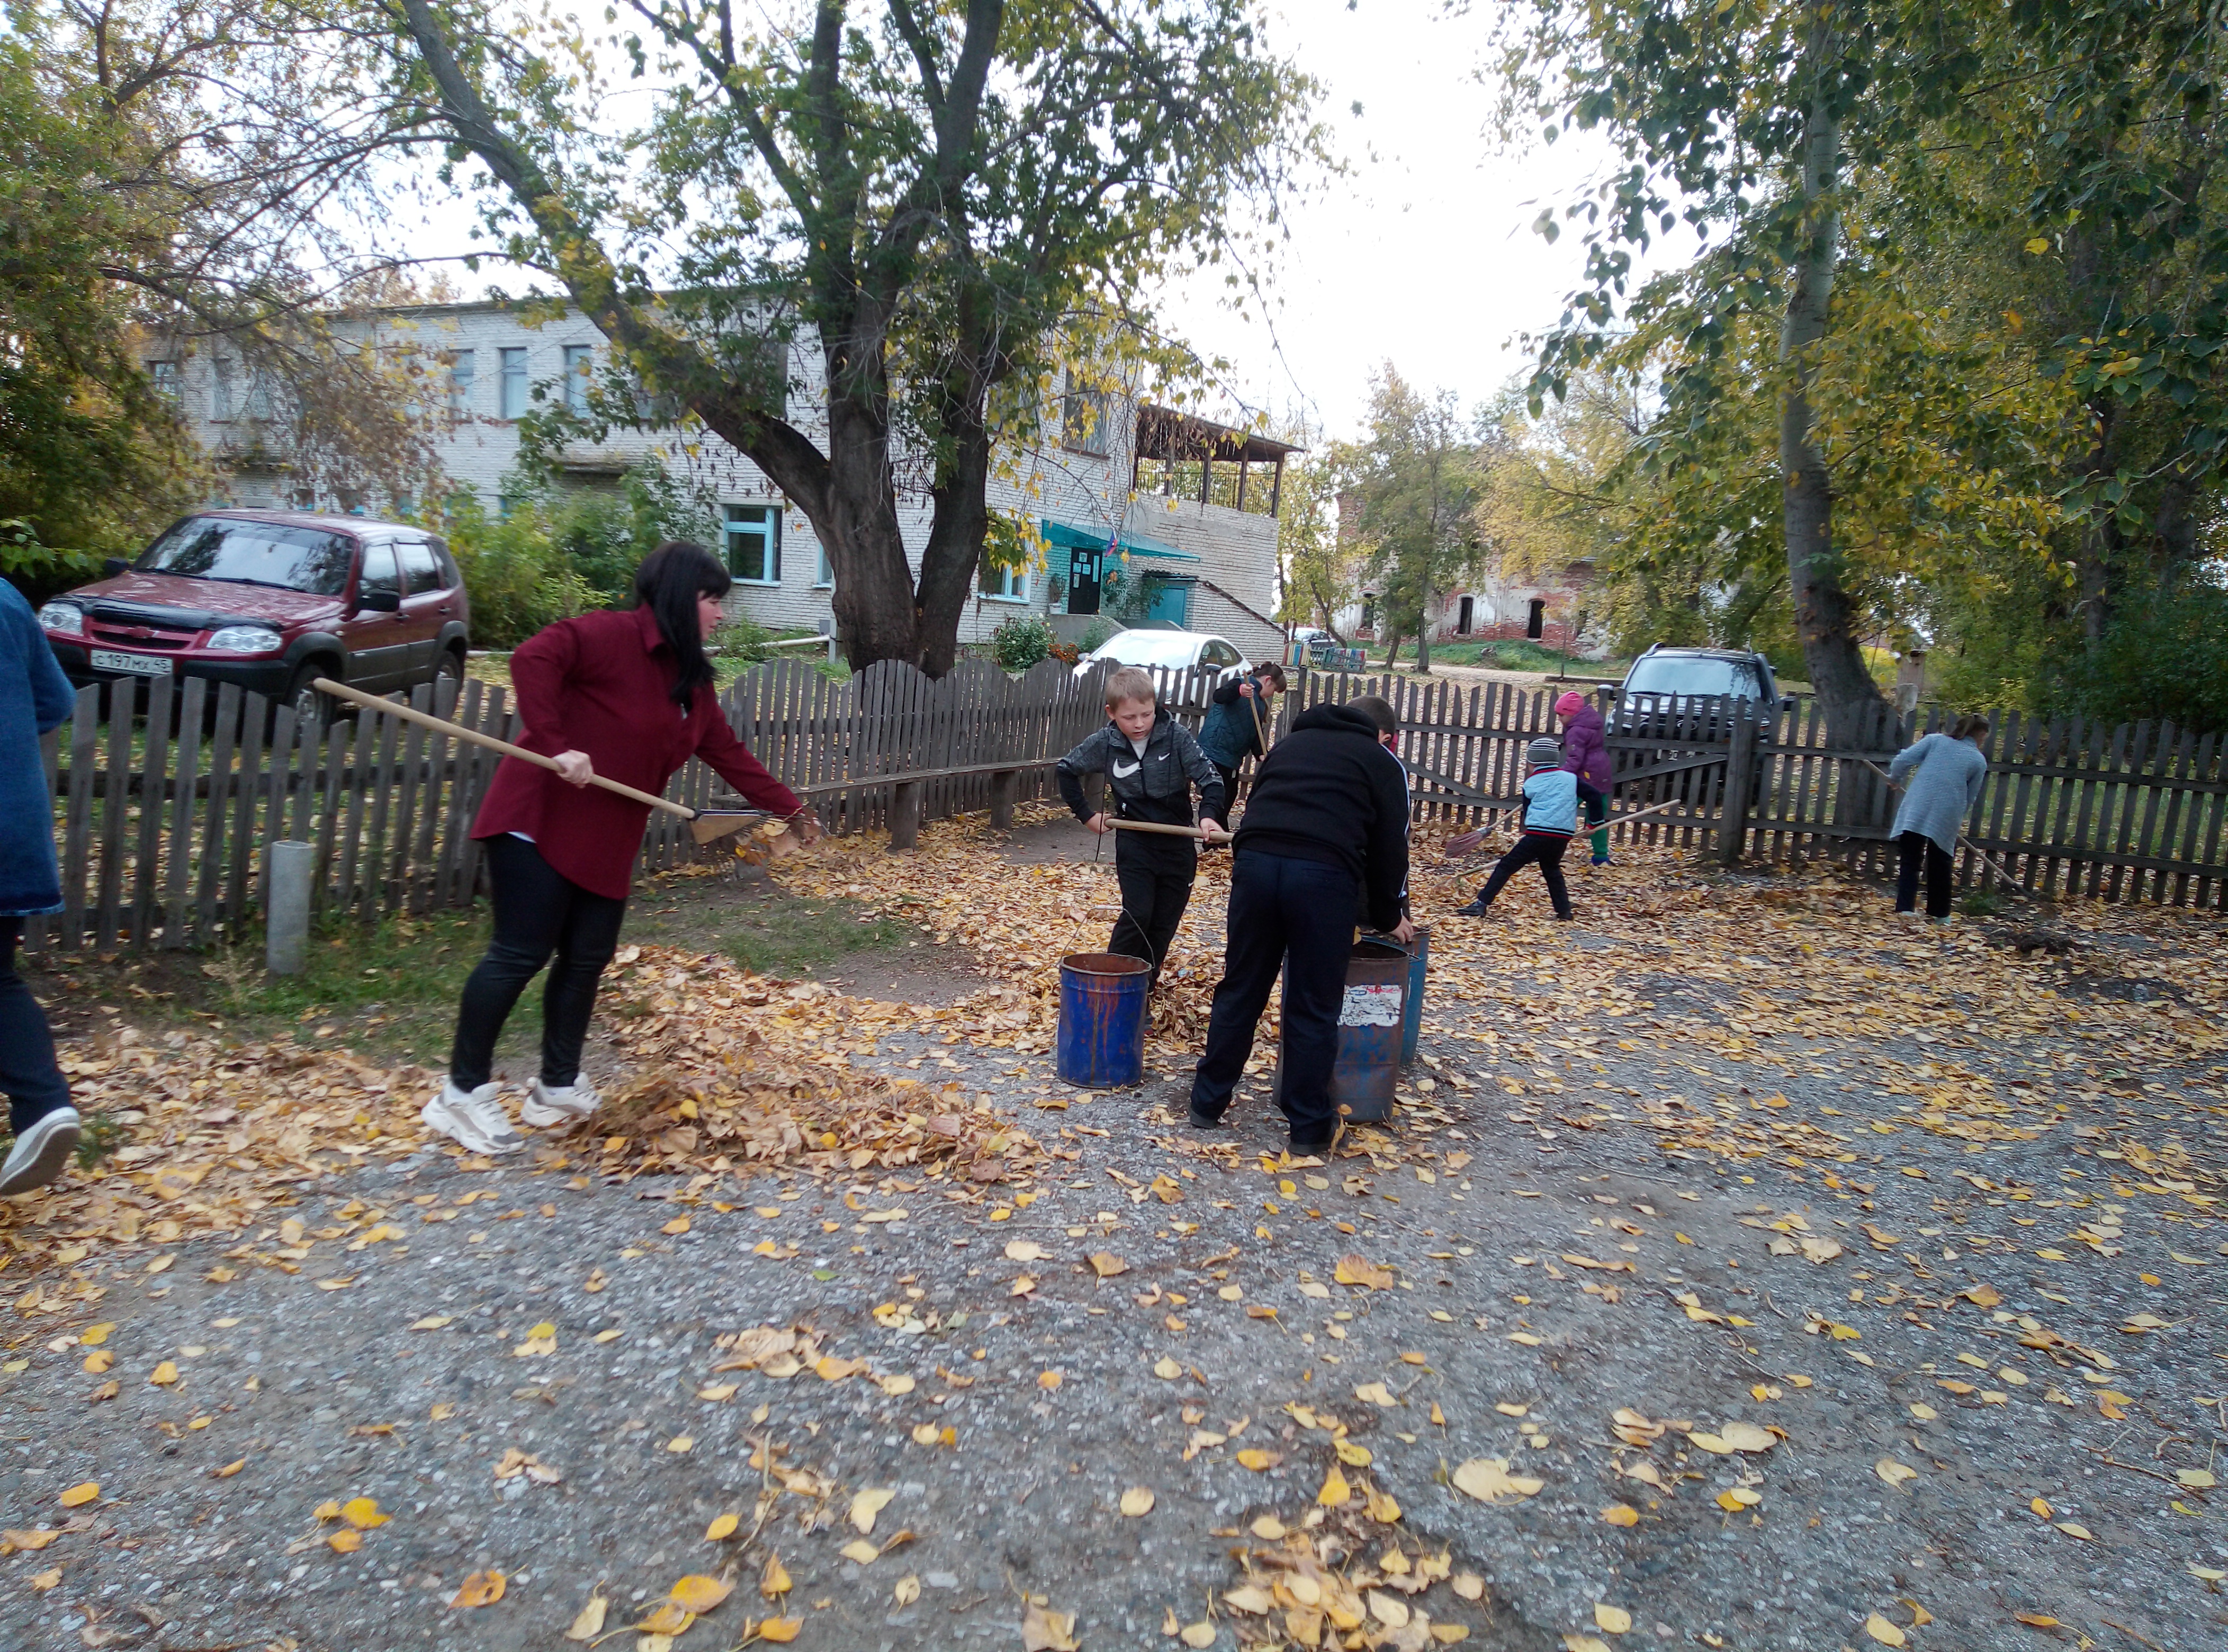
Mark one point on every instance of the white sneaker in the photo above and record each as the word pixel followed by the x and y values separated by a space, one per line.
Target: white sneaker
pixel 41 1152
pixel 474 1117
pixel 547 1109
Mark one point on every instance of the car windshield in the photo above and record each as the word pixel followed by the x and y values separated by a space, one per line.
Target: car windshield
pixel 252 552
pixel 1150 648
pixel 1688 674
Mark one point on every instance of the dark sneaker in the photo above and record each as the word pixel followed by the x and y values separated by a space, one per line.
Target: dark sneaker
pixel 1202 1119
pixel 1475 909
pixel 41 1152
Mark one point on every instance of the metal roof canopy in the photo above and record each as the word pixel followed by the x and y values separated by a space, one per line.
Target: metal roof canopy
pixel 1164 433
pixel 1100 539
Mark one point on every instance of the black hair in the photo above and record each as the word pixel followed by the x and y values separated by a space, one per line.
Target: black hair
pixel 1378 711
pixel 668 582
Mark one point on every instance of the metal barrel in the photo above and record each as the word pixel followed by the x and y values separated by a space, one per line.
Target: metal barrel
pixel 1367 1065
pixel 1411 1015
pixel 1102 1019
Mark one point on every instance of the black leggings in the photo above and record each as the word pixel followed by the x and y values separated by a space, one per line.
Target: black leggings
pixel 1910 846
pixel 1530 847
pixel 538 911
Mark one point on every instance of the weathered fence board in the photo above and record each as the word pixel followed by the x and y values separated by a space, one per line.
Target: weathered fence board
pixel 165 818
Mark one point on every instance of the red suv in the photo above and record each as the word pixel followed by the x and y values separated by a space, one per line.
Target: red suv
pixel 271 600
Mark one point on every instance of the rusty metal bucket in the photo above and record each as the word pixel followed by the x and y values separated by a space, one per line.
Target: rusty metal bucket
pixel 1370 1018
pixel 1102 1019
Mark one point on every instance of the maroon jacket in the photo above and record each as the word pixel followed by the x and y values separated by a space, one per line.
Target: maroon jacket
pixel 601 684
pixel 1585 753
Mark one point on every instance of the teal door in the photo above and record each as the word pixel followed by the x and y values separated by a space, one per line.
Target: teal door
pixel 1171 601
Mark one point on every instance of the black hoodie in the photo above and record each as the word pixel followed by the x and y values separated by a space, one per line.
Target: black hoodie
pixel 1328 791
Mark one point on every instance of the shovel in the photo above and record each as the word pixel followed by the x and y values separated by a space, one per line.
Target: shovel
pixel 705 825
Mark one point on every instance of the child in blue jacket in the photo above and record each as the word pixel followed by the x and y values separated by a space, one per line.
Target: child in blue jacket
pixel 1550 820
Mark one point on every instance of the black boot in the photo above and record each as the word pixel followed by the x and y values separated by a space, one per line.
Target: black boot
pixel 1477 908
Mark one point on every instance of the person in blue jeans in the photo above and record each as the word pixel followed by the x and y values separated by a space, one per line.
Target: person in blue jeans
pixel 35 696
pixel 1550 820
pixel 1325 834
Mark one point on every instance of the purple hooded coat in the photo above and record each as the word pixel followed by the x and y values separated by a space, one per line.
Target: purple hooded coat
pixel 1585 752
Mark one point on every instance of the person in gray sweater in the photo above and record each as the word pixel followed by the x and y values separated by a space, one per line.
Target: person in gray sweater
pixel 1944 774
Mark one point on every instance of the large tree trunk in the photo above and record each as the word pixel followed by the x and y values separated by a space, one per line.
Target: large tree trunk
pixel 1825 617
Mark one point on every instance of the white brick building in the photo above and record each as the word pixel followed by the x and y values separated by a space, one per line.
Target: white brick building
pixel 1188 506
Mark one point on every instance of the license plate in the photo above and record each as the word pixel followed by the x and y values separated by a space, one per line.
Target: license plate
pixel 146 665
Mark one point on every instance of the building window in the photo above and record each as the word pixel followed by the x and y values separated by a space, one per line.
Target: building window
pixel 825 579
pixel 1085 419
pixel 1006 585
pixel 460 381
pixel 755 544
pixel 165 376
pixel 1369 612
pixel 578 359
pixel 515 397
pixel 406 505
pixel 504 505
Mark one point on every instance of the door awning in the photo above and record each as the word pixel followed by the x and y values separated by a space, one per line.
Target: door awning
pixel 1095 539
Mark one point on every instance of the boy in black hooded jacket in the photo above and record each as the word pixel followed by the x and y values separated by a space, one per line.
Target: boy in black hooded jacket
pixel 1325 835
pixel 1151 763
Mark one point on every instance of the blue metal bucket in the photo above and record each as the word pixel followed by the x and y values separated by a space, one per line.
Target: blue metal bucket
pixel 1412 1023
pixel 1102 1019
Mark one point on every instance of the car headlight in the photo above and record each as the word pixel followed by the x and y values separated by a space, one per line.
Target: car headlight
pixel 242 639
pixel 66 617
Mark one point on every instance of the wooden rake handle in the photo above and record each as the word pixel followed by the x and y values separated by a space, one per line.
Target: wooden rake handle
pixel 442 725
pixel 1192 832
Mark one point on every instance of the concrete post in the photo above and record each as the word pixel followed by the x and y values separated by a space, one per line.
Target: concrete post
pixel 1005 788
pixel 287 915
pixel 905 801
pixel 1740 769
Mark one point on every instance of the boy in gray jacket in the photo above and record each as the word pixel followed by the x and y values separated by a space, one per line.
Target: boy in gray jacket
pixel 1151 763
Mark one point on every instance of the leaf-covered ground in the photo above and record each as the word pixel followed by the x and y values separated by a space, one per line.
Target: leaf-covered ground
pixel 1745 1269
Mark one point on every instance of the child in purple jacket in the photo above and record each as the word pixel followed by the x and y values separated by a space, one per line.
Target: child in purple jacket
pixel 1585 754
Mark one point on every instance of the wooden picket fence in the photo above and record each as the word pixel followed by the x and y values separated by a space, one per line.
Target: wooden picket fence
pixel 2071 809
pixel 164 820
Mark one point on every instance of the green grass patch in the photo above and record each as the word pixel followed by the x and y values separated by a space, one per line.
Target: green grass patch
pixel 1520 653
pixel 776 933
pixel 393 983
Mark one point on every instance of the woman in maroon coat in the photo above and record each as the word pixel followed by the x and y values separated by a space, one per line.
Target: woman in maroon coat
pixel 625 694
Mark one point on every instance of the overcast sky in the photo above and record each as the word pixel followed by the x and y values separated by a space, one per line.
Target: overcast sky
pixel 1425 254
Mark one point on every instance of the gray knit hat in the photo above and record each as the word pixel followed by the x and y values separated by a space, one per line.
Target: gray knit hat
pixel 1545 752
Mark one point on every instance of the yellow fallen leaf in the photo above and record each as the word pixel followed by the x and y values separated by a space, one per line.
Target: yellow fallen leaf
pixel 1355 1269
pixel 1388 1609
pixel 896 1386
pixel 1382 1508
pixel 1488 1480
pixel 860 1551
pixel 45 1580
pixel 1106 1264
pixel 774 1582
pixel 2072 1528
pixel 1621 1515
pixel 163 1374
pixel 1747 1437
pixel 362 1512
pixel 717 1391
pixel 2195 1479
pixel 1048 1380
pixel 907 1590
pixel 700 1594
pixel 1197 1635
pixel 1376 1393
pixel 32 1541
pixel 1167 1369
pixel 1614 1620
pixel 867 1504
pixel 1354 1457
pixel 1526 1338
pixel 1046 1631
pixel 77 1496
pixel 93 1335
pixel 1882 1631
pixel 1335 1492
pixel 781 1630
pixel 590 1622
pixel 1259 1461
pixel 677 1226
pixel 347 1541
pixel 1137 1500
pixel 1896 1473
pixel 1021 1250
pixel 481 1589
